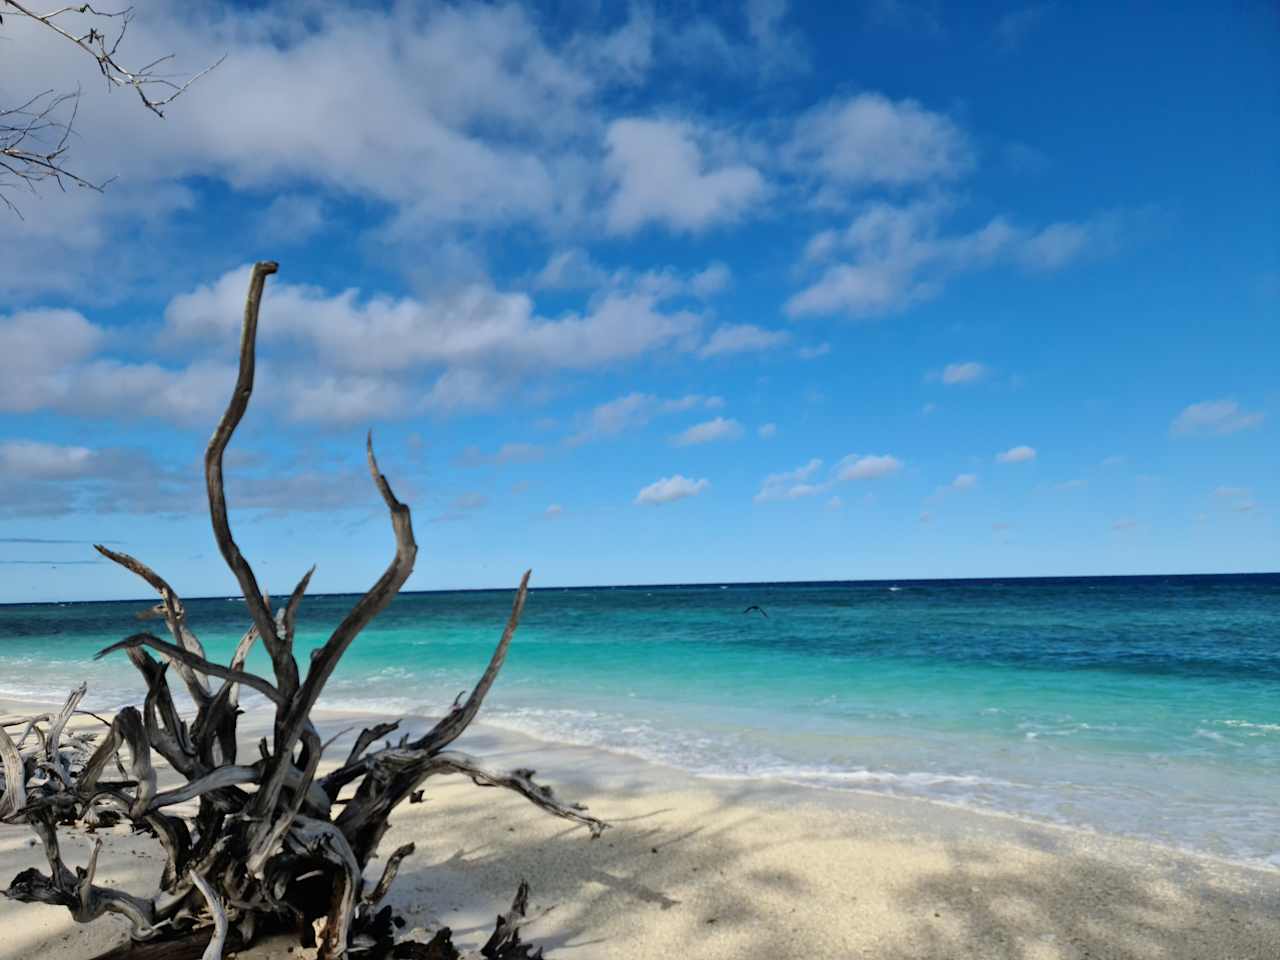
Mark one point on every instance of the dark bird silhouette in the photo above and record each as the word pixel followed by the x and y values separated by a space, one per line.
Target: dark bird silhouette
pixel 758 609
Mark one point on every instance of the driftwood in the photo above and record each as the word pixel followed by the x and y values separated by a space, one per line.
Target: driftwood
pixel 271 845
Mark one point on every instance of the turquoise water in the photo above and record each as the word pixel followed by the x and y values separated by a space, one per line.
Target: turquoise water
pixel 1142 706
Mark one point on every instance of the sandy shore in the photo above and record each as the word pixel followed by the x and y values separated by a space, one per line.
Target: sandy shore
pixel 701 869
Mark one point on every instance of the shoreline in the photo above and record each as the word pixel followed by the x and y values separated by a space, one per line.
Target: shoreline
pixel 765 789
pixel 722 869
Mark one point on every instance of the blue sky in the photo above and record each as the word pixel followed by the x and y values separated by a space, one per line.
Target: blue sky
pixel 657 293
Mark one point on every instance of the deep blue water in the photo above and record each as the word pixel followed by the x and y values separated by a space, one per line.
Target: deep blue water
pixel 1141 705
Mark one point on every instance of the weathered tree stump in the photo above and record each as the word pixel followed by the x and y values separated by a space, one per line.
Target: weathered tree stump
pixel 272 846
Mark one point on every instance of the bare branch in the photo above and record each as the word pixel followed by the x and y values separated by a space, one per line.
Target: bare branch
pixel 521 781
pixel 286 669
pixel 214 950
pixel 103 50
pixel 204 666
pixel 35 135
pixel 14 795
pixel 458 719
pixel 175 616
pixel 324 660
pixel 389 874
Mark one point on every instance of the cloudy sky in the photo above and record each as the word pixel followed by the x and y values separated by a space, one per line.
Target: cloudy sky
pixel 656 293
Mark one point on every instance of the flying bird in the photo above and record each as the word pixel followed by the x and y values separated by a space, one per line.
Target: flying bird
pixel 757 608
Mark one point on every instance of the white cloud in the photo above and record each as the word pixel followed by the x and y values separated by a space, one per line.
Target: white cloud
pixel 867 466
pixel 1020 454
pixel 835 503
pixel 466 349
pixel 966 372
pixel 608 419
pixel 708 431
pixel 964 481
pixel 670 489
pixel 663 176
pixel 554 510
pixel 803 481
pixel 476 326
pixel 429 79
pixel 767 431
pixel 44 461
pixel 742 338
pixel 635 410
pixel 868 139
pixel 714 279
pixel 791 484
pixel 38 349
pixel 893 256
pixel 1214 417
pixel 571 269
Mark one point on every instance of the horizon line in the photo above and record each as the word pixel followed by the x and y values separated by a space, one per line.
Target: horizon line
pixel 712 584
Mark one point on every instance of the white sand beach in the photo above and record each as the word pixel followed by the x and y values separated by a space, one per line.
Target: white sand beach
pixel 718 870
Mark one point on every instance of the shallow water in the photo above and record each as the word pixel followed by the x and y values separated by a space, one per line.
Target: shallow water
pixel 1142 706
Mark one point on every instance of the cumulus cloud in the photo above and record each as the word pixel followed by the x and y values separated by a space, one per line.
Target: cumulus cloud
pixel 1020 454
pixel 572 269
pixel 967 372
pixel 868 139
pixel 964 481
pixel 867 466
pixel 893 256
pixel 45 479
pixel 742 338
pixel 670 489
pixel 767 431
pixel 634 410
pixel 575 269
pixel 38 349
pixel 791 484
pixel 663 175
pixel 804 481
pixel 708 431
pixel 44 461
pixel 1214 418
pixel 714 279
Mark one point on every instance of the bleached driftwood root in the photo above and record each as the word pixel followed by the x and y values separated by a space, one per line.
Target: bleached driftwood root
pixel 271 846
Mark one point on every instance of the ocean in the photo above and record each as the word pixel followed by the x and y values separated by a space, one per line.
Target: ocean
pixel 1142 706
